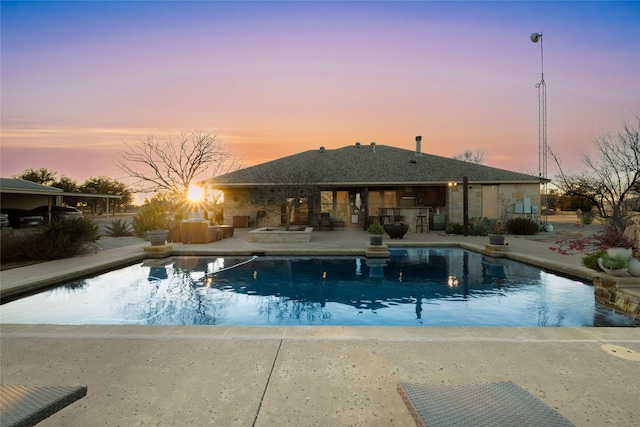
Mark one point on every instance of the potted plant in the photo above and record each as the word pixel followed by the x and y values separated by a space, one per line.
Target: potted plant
pixel 613 265
pixel 497 233
pixel 376 232
pixel 152 223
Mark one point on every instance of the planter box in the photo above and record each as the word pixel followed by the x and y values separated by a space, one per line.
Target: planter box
pixel 496 239
pixel 280 235
pixel 375 239
pixel 157 237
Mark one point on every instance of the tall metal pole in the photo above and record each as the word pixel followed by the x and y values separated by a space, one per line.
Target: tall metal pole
pixel 542 130
pixel 465 205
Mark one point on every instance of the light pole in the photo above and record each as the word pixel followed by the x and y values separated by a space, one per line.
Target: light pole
pixel 542 130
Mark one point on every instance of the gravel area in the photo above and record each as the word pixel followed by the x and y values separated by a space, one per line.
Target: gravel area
pixel 105 242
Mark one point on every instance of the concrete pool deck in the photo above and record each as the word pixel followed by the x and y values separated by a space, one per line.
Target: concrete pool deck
pixel 302 376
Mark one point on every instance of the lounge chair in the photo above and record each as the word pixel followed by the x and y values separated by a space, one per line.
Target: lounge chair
pixel 27 405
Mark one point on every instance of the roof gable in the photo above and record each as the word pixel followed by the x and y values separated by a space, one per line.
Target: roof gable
pixel 369 165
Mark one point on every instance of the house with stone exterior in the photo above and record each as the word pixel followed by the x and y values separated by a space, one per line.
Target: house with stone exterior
pixel 354 185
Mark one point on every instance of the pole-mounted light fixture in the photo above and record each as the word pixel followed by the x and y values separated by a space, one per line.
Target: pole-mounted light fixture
pixel 542 128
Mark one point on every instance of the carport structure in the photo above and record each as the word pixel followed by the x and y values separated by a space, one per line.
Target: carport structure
pixel 23 194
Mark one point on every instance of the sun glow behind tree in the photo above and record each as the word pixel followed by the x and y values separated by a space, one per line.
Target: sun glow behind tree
pixel 195 193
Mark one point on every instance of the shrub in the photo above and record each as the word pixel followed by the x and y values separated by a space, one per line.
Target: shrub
pixel 66 237
pixel 609 237
pixel 591 260
pixel 18 245
pixel 63 238
pixel 480 226
pixel 375 228
pixel 585 217
pixel 498 228
pixel 614 262
pixel 454 228
pixel 150 217
pixel 118 228
pixel 522 226
pixel 477 227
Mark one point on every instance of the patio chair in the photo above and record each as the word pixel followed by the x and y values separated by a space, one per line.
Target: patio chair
pixel 325 220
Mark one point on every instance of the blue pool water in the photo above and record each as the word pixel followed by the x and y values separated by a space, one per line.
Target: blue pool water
pixel 439 287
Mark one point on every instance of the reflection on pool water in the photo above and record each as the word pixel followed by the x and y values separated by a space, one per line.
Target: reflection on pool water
pixel 434 286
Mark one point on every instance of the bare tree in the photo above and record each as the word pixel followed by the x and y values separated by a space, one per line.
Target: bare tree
pixel 612 175
pixel 172 164
pixel 470 156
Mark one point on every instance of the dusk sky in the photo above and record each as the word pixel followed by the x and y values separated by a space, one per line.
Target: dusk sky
pixel 81 79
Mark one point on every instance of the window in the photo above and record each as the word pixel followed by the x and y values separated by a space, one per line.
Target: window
pixel 381 199
pixel 342 205
pixel 326 201
pixel 335 203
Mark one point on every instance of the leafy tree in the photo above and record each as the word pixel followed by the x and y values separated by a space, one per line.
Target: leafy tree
pixel 470 156
pixel 612 176
pixel 42 176
pixel 68 186
pixel 48 177
pixel 172 164
pixel 573 203
pixel 106 185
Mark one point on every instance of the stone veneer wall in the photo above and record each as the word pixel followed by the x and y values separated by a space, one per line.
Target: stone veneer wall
pixel 238 203
pixel 622 293
pixel 508 196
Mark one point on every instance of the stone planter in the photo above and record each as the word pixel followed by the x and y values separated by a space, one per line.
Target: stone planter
pixel 396 231
pixel 626 253
pixel 157 237
pixel 621 272
pixel 496 239
pixel 634 267
pixel 375 239
pixel 280 235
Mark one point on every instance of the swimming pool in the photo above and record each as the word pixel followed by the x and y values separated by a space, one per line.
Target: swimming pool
pixel 431 287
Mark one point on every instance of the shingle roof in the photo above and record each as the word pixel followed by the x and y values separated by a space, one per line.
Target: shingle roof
pixel 364 165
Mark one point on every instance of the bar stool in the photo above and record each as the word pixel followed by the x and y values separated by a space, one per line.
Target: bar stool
pixel 420 219
pixel 397 216
pixel 385 216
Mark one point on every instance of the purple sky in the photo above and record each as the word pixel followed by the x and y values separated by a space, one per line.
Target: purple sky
pixel 81 79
